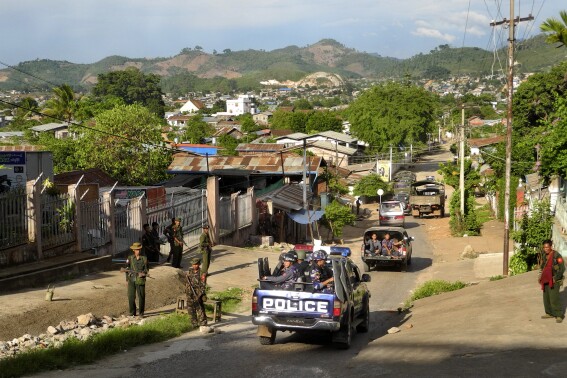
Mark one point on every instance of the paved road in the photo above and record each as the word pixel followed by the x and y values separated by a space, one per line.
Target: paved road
pixel 236 351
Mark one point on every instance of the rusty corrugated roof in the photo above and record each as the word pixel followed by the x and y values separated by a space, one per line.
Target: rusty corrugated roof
pixel 288 197
pixel 257 164
pixel 483 142
pixel 259 147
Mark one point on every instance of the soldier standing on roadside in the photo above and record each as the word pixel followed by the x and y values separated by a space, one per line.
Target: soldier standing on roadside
pixel 195 289
pixel 168 232
pixel 148 245
pixel 206 248
pixel 552 268
pixel 136 271
pixel 157 242
pixel 178 242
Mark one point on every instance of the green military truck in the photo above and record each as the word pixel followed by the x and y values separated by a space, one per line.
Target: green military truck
pixel 427 198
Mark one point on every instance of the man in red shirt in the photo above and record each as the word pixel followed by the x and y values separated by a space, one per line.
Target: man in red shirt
pixel 552 268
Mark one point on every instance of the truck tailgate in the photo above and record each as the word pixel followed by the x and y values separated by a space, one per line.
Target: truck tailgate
pixel 295 303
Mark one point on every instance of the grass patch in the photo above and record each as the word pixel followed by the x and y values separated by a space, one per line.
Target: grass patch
pixel 230 299
pixel 496 278
pixel 76 352
pixel 431 288
pixel 484 214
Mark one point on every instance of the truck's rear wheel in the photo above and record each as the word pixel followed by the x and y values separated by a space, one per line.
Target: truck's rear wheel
pixel 343 338
pixel 365 325
pixel 268 340
pixel 404 265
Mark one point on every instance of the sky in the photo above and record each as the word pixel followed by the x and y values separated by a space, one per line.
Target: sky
pixel 86 31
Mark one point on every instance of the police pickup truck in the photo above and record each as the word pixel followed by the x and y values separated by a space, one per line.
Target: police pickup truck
pixel 338 312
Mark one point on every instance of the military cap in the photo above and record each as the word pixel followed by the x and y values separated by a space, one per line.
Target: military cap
pixel 301 255
pixel 178 219
pixel 206 226
pixel 136 246
pixel 195 261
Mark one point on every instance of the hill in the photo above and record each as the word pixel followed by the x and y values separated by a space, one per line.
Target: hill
pixel 198 70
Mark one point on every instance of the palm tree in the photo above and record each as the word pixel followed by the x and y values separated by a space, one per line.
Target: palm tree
pixel 63 105
pixel 557 29
pixel 27 107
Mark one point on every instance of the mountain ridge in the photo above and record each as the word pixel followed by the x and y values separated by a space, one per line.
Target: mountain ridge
pixel 288 63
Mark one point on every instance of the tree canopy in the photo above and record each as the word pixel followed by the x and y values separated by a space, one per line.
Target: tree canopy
pixel 393 114
pixel 126 143
pixel 63 104
pixel 133 86
pixel 197 129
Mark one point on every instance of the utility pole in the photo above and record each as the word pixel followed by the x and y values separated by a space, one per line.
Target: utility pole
pixel 305 205
pixel 462 156
pixel 511 38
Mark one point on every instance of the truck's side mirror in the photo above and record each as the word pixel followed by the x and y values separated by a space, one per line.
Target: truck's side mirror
pixel 365 278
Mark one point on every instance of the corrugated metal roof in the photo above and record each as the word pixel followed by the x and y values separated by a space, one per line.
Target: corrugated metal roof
pixel 50 126
pixel 258 164
pixel 334 147
pixel 260 147
pixel 92 176
pixel 288 197
pixel 338 136
pixel 483 142
pixel 295 136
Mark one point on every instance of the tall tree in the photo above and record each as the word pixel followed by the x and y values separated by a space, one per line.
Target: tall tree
pixel 26 107
pixel 320 121
pixel 133 86
pixel 126 143
pixel 196 130
pixel 63 104
pixel 393 114
pixel 556 29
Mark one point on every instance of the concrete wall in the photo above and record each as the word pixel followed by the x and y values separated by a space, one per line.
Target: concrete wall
pixel 49 276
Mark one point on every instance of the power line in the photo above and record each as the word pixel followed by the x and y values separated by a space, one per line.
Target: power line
pixel 93 129
pixel 29 74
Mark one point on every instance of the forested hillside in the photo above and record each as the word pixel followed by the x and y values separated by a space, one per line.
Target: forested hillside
pixel 230 70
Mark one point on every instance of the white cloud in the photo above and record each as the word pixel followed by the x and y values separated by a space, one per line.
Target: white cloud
pixel 433 33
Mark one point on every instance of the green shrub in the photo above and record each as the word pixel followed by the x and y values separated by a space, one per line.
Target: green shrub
pixel 435 287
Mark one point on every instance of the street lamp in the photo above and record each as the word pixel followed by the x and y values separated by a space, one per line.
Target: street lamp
pixel 380 192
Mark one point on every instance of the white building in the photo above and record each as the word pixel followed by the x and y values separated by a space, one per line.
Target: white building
pixel 242 105
pixel 192 106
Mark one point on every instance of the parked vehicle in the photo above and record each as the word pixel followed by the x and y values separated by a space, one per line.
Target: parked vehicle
pixel 427 198
pixel 370 259
pixel 338 312
pixel 391 213
pixel 403 198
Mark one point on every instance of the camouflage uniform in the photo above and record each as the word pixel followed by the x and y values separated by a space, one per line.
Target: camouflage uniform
pixel 195 290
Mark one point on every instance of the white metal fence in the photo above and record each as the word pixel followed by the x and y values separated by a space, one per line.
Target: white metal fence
pixel 57 220
pixel 95 223
pixel 14 224
pixel 190 205
pixel 226 216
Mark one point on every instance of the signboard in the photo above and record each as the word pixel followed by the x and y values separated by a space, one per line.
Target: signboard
pixel 12 169
pixel 12 158
pixel 128 193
